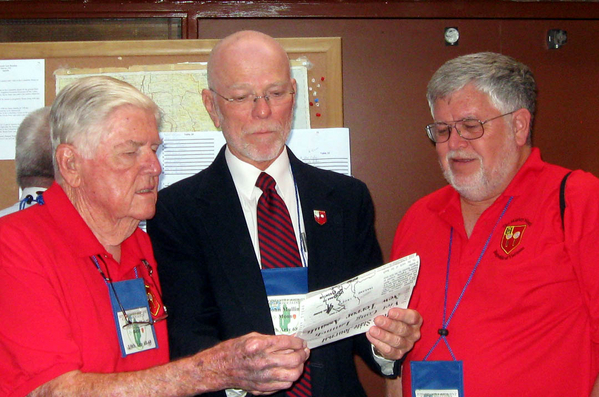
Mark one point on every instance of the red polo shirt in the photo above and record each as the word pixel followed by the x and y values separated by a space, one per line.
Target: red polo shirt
pixel 527 323
pixel 56 311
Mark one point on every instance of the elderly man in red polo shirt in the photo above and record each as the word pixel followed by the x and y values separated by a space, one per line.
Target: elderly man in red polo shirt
pixel 82 311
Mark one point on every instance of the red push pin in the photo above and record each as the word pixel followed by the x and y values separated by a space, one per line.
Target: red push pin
pixel 322 79
pixel 317 114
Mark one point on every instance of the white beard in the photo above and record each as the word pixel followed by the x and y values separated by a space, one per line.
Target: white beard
pixel 257 153
pixel 485 183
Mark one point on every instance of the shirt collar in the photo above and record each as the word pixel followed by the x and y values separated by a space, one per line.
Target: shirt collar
pixel 531 167
pixel 245 175
pixel 68 222
pixel 32 191
pixel 83 242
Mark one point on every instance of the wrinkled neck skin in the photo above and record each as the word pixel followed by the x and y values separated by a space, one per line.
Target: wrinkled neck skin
pixel 109 231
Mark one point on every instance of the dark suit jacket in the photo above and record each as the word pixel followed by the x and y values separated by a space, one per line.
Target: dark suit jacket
pixel 211 278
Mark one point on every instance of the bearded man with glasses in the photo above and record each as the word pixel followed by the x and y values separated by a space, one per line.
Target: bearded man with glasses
pixel 82 309
pixel 508 309
pixel 207 234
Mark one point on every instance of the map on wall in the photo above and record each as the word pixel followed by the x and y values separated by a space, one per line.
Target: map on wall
pixel 177 90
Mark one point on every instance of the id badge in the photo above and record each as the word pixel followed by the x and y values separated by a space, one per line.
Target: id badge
pixel 437 378
pixel 133 338
pixel 286 289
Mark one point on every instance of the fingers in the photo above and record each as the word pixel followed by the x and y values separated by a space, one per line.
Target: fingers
pixel 395 334
pixel 271 344
pixel 265 363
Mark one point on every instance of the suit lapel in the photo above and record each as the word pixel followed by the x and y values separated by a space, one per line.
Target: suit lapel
pixel 231 244
pixel 324 241
pixel 324 247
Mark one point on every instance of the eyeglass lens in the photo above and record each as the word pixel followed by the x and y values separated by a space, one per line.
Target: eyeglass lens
pixel 468 129
pixel 274 97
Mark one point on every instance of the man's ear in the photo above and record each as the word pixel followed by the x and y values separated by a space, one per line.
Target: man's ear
pixel 521 125
pixel 69 164
pixel 294 87
pixel 210 106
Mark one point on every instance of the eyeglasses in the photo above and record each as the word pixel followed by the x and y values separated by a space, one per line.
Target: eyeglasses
pixel 469 129
pixel 274 97
pixel 128 320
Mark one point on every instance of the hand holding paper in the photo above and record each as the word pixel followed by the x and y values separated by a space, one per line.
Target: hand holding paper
pixel 395 334
pixel 349 308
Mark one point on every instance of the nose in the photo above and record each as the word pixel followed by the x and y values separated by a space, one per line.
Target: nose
pixel 261 107
pixel 455 139
pixel 152 164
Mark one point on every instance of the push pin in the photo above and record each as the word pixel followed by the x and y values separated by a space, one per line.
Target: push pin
pixel 443 331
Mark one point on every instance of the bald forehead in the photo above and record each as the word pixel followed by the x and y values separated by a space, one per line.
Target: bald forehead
pixel 247 52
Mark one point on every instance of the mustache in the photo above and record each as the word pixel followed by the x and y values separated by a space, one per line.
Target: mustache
pixel 461 154
pixel 273 127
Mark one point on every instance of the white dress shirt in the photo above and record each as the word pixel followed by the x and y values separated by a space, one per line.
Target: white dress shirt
pixel 245 176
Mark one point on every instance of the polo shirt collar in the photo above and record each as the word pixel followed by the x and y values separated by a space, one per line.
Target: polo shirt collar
pixel 82 240
pixel 524 179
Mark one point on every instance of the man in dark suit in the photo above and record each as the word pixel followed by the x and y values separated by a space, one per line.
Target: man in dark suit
pixel 205 232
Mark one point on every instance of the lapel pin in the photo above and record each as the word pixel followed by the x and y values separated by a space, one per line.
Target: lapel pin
pixel 320 217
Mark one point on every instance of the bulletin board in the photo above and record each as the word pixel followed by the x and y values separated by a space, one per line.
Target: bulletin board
pixel 321 56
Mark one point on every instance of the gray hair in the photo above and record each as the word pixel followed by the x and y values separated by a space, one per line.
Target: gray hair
pixel 509 84
pixel 81 110
pixel 33 151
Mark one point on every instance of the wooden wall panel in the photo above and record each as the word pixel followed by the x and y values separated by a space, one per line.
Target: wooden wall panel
pixel 386 66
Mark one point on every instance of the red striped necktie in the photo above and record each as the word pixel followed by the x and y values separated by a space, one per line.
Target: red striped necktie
pixel 278 245
pixel 278 248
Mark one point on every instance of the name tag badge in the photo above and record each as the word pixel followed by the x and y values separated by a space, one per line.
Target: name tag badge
pixel 437 378
pixel 286 289
pixel 133 338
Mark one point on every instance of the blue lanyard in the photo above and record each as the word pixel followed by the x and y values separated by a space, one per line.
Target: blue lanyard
pixel 107 279
pixel 443 332
pixel 29 199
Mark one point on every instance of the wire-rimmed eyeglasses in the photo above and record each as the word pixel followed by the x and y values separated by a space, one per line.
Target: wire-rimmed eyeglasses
pixel 126 317
pixel 274 96
pixel 469 129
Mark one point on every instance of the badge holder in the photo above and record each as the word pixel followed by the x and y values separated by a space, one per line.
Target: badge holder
pixel 133 338
pixel 286 289
pixel 437 378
